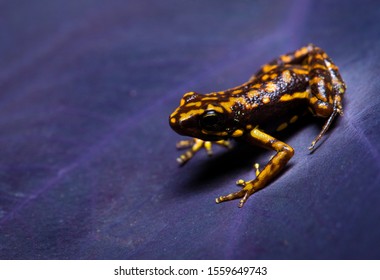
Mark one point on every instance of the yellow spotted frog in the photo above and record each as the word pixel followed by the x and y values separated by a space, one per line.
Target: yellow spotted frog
pixel 276 96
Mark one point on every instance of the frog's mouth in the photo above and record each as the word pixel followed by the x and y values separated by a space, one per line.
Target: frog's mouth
pixel 215 135
pixel 211 137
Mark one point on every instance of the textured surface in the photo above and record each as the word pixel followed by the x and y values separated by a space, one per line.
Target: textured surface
pixel 87 158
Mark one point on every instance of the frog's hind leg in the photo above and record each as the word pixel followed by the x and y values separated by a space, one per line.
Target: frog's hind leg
pixel 326 89
pixel 283 154
pixel 326 84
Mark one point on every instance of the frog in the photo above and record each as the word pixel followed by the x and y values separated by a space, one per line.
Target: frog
pixel 303 82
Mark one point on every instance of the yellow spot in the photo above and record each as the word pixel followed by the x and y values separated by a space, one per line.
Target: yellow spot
pixel 266 99
pixel 282 126
pixel 286 58
pixel 286 76
pixel 210 98
pixel 217 109
pixel 182 102
pixel 267 68
pixel 241 100
pixel 273 76
pixel 237 133
pixel 265 77
pixel 252 93
pixel 288 97
pixel 188 93
pixel 194 104
pixel 191 113
pixel 319 66
pixel 319 56
pixel 293 119
pixel 237 91
pixel 329 86
pixel 301 71
pixel 227 105
pixel 315 80
pixel 301 52
pixel 313 100
pixel 271 87
pixel 172 120
pixel 175 112
pixel 249 127
pixel 256 85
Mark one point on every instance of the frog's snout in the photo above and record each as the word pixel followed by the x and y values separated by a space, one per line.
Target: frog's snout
pixel 175 124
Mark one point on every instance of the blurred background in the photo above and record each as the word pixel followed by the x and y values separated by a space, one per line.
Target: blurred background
pixel 87 158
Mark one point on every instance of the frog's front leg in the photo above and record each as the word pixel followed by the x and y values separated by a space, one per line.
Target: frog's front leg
pixel 195 145
pixel 273 167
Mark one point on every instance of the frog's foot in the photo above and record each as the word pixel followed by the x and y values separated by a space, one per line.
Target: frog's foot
pixel 195 145
pixel 256 166
pixel 336 110
pixel 241 183
pixel 247 190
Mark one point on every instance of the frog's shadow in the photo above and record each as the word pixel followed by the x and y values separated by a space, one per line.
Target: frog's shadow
pixel 241 157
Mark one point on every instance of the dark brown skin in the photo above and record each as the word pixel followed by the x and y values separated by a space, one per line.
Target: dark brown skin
pixel 276 96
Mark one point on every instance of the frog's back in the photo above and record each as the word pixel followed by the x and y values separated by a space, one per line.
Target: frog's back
pixel 276 97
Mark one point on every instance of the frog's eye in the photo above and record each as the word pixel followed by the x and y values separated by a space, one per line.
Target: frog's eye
pixel 211 120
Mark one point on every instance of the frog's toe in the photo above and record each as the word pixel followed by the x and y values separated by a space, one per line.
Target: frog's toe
pixel 230 196
pixel 244 199
pixel 182 159
pixel 244 193
pixel 240 183
pixel 194 144
pixel 224 143
pixel 184 144
pixel 256 166
pixel 208 148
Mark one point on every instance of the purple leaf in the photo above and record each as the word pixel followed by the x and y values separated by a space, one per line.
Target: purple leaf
pixel 88 166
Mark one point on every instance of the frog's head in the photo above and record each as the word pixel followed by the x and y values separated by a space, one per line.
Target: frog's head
pixel 201 116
